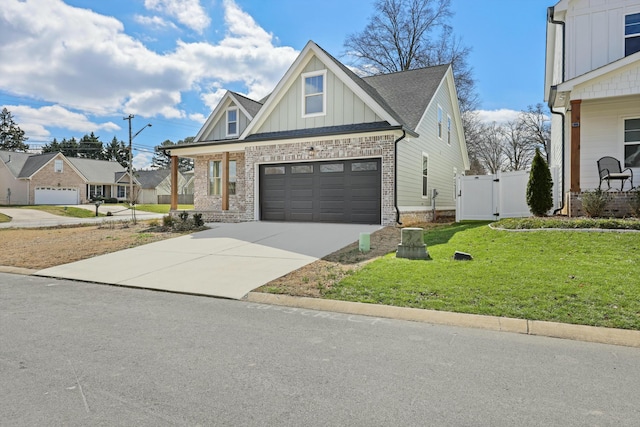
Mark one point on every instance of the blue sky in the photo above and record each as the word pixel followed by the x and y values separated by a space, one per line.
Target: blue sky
pixel 70 67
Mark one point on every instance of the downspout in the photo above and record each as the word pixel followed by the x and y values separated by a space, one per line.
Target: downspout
pixel 395 176
pixel 550 13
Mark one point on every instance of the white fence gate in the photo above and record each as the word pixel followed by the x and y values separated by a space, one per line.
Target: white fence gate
pixel 503 195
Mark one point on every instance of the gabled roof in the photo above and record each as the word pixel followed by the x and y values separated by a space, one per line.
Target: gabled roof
pixel 601 71
pixel 14 161
pixel 251 107
pixel 152 178
pixel 409 93
pixel 34 163
pixel 96 171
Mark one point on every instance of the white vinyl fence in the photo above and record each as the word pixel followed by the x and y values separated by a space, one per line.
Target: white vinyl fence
pixel 503 195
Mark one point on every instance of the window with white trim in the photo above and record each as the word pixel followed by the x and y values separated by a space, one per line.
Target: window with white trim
pixel 215 178
pixel 58 166
pixel 632 143
pixel 631 34
pixel 314 94
pixel 232 121
pixel 425 175
pixel 448 129
pixel 439 122
pixel 122 191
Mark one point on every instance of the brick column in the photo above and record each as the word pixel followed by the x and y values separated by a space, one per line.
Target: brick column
pixel 575 145
pixel 174 183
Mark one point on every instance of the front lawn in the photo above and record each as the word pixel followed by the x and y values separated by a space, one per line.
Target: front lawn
pixel 589 278
pixel 162 209
pixel 67 211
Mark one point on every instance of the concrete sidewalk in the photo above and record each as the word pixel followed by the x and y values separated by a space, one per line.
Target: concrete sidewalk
pixel 226 261
pixel 33 218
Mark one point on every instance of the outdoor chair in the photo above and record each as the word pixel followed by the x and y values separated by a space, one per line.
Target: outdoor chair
pixel 610 170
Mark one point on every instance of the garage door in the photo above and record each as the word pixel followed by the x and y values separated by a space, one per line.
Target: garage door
pixel 347 191
pixel 56 196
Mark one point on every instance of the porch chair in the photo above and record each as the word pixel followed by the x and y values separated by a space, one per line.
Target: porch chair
pixel 610 170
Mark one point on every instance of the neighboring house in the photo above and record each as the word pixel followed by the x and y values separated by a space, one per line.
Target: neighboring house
pixel 53 179
pixel 155 185
pixel 329 146
pixel 592 86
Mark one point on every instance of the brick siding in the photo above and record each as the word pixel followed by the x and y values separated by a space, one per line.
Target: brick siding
pixel 48 177
pixel 620 205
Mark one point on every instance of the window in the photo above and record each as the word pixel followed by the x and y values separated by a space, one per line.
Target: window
pixel 57 165
pixel 425 175
pixel 313 94
pixel 632 143
pixel 215 178
pixel 631 34
pixel 439 122
pixel 122 191
pixel 332 167
pixel 302 169
pixel 95 191
pixel 448 129
pixel 364 166
pixel 232 122
pixel 274 170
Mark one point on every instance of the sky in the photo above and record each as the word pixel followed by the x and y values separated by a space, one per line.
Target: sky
pixel 72 67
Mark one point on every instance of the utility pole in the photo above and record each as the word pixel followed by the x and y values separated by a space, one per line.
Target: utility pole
pixel 132 202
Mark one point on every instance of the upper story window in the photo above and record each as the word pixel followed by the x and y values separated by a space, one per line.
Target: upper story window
pixel 439 122
pixel 58 165
pixel 448 129
pixel 232 122
pixel 632 143
pixel 631 34
pixel 314 94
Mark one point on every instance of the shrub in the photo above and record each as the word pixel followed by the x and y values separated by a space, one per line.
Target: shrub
pixel 197 220
pixel 539 196
pixel 594 202
pixel 167 221
pixel 635 203
pixel 184 215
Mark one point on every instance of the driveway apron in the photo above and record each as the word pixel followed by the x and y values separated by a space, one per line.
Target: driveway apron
pixel 228 260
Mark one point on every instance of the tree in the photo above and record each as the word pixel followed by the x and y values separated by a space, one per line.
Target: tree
pixel 51 147
pixel 69 147
pixel 90 147
pixel 518 148
pixel 162 161
pixel 116 151
pixel 539 187
pixel 11 136
pixel 408 34
pixel 537 127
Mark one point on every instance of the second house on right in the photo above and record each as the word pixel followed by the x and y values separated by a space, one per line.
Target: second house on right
pixel 592 87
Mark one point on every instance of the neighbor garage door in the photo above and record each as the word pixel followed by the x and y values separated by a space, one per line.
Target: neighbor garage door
pixel 347 191
pixel 56 196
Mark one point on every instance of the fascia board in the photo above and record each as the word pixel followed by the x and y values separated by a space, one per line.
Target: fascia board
pixel 600 72
pixel 240 107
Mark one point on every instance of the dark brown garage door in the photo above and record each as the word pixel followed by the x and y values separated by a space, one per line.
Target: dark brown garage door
pixel 347 191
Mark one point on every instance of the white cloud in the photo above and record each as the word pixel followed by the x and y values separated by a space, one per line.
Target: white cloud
pixel 142 160
pixel 198 118
pixel 154 22
pixel 34 120
pixel 211 99
pixel 188 12
pixel 500 116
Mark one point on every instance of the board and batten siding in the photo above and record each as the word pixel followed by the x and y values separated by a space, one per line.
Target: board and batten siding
pixel 443 158
pixel 219 131
pixel 343 106
pixel 602 134
pixel 595 33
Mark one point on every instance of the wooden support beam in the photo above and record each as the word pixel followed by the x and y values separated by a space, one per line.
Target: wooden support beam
pixel 575 145
pixel 174 183
pixel 225 181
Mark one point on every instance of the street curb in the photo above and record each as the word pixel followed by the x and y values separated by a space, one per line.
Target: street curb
pixel 622 337
pixel 16 270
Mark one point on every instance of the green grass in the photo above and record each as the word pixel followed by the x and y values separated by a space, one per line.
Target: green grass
pixel 588 278
pixel 162 208
pixel 4 218
pixel 67 211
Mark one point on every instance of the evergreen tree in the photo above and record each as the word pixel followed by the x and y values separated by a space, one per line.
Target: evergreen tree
pixel 116 151
pixel 539 187
pixel 11 136
pixel 69 147
pixel 90 147
pixel 52 147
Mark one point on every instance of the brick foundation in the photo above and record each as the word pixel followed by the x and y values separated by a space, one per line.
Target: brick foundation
pixel 618 207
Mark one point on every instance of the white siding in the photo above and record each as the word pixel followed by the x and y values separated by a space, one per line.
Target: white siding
pixel 601 134
pixel 443 158
pixel 343 106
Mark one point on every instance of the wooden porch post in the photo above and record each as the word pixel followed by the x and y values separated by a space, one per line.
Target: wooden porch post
pixel 174 183
pixel 225 181
pixel 575 145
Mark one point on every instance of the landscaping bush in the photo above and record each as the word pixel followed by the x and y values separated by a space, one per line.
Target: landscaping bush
pixel 594 202
pixel 539 187
pixel 184 215
pixel 197 220
pixel 167 221
pixel 635 203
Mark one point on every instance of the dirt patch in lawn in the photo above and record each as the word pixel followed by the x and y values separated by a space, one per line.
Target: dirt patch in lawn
pixel 47 247
pixel 313 279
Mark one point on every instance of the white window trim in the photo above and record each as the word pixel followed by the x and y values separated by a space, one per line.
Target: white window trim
pixel 428 195
pixel 439 118
pixel 627 36
pixel 303 77
pixel 624 143
pixel 236 122
pixel 449 124
pixel 57 169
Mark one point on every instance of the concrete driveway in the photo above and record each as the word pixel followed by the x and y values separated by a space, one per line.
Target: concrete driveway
pixel 32 218
pixel 229 260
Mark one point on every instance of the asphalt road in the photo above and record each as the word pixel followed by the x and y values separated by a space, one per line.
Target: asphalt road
pixel 83 354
